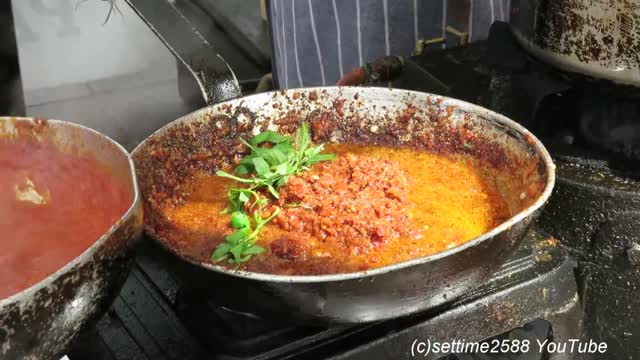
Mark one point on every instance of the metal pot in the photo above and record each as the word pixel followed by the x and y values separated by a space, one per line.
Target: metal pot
pixel 203 140
pixel 41 321
pixel 197 141
pixel 598 38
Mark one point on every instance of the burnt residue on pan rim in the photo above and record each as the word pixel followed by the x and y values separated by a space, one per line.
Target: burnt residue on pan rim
pixel 38 124
pixel 535 143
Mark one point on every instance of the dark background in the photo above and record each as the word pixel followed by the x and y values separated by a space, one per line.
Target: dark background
pixel 11 97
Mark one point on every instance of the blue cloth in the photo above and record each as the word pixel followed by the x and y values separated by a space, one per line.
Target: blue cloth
pixel 315 42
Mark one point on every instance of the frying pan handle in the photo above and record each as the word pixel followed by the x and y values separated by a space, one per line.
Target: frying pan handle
pixel 215 78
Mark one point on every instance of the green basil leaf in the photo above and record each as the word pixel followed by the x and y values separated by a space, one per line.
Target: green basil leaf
pixel 282 181
pixel 242 170
pixel 236 251
pixel 259 152
pixel 248 160
pixel 221 252
pixel 279 156
pixel 282 169
pixel 243 197
pixel 254 250
pixel 302 137
pixel 273 156
pixel 239 179
pixel 267 136
pixel 273 191
pixel 261 166
pixel 320 157
pixel 250 146
pixel 237 236
pixel 285 147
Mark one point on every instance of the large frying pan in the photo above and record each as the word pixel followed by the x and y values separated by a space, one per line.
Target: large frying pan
pixel 200 141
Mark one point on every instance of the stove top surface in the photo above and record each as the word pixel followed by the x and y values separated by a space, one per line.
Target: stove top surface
pixel 155 318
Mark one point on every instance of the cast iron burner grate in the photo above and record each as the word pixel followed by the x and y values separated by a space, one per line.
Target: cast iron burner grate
pixel 153 319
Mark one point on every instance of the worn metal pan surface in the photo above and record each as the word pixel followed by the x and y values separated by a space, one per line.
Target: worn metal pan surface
pixel 41 321
pixel 205 139
pixel 598 39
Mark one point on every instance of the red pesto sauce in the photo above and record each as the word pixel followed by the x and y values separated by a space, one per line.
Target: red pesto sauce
pixel 373 206
pixel 53 206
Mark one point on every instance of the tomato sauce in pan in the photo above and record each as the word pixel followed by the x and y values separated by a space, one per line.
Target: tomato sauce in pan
pixel 53 206
pixel 373 206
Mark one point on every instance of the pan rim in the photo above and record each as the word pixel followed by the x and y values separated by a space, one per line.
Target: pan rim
pixel 469 107
pixel 86 254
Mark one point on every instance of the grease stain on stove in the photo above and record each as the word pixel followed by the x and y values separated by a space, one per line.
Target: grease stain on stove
pixel 543 249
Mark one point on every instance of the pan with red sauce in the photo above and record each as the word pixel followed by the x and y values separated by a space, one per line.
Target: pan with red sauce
pixel 53 206
pixel 373 206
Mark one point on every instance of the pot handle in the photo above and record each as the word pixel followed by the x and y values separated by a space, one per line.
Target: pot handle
pixel 215 78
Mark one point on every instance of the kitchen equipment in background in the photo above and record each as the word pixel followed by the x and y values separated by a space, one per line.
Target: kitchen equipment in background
pixel 11 94
pixel 599 39
pixel 596 199
pixel 189 32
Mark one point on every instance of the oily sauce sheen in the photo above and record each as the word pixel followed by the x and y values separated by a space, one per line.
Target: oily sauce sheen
pixel 53 206
pixel 373 206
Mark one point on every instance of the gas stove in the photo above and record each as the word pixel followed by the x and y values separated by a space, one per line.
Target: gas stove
pixel 574 276
pixel 591 129
pixel 155 317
